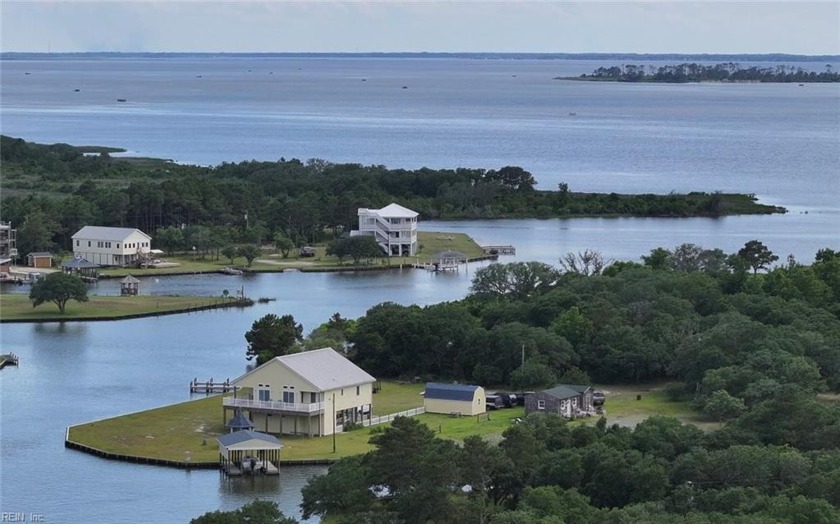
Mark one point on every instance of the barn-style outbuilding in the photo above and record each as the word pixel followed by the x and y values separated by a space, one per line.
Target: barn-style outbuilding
pixel 454 398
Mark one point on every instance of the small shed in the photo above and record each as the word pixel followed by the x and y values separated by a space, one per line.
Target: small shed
pixel 248 451
pixel 129 285
pixel 454 398
pixel 40 259
pixel 87 271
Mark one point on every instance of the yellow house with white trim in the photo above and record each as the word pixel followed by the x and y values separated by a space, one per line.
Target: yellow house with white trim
pixel 312 393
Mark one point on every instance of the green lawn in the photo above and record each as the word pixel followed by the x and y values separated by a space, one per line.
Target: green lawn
pixel 622 406
pixel 397 396
pixel 170 431
pixel 18 307
pixel 431 243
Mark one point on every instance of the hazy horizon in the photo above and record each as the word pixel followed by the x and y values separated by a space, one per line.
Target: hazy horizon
pixel 386 26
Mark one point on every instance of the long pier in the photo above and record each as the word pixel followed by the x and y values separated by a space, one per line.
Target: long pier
pixel 9 359
pixel 210 386
pixel 499 250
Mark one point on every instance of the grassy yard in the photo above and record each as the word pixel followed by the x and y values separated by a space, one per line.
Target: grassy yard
pixel 623 408
pixel 430 243
pixel 396 396
pixel 170 431
pixel 166 432
pixel 433 242
pixel 18 307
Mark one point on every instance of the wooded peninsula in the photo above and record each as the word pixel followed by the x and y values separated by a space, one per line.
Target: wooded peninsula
pixel 692 72
pixel 51 191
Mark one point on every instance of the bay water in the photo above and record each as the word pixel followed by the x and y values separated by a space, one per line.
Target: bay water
pixel 779 141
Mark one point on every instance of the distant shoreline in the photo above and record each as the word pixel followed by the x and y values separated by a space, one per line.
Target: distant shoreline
pixel 762 57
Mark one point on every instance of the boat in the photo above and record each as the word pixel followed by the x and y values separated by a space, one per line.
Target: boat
pixel 120 99
pixel 230 271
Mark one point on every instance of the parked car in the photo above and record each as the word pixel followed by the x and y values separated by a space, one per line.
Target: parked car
pixel 494 402
pixel 508 399
pixel 306 251
pixel 598 398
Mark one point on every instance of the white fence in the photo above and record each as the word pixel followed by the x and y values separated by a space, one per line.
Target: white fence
pixel 384 419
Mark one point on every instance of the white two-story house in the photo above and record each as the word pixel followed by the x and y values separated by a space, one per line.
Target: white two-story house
pixel 111 246
pixel 311 393
pixel 393 226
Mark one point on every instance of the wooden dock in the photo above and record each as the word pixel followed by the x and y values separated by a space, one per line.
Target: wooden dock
pixel 499 250
pixel 262 468
pixel 210 386
pixel 9 359
pixel 437 267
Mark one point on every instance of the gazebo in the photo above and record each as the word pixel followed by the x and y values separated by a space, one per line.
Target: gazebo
pixel 448 260
pixel 239 422
pixel 250 452
pixel 129 285
pixel 87 271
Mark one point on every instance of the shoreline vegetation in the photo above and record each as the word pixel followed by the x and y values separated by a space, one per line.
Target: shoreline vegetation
pixel 51 191
pixel 167 435
pixel 18 307
pixel 692 72
pixel 760 57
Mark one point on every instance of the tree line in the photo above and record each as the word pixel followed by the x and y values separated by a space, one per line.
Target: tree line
pixel 739 343
pixel 751 345
pixel 723 72
pixel 545 470
pixel 51 191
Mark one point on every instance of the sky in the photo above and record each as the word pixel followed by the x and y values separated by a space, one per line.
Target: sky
pixel 797 27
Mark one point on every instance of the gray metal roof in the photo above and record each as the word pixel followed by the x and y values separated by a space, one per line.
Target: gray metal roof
pixel 239 421
pixel 238 437
pixel 130 280
pixel 39 254
pixel 450 391
pixel 115 234
pixel 326 369
pixel 79 263
pixel 564 391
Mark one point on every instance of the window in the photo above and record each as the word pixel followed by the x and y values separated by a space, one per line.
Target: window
pixel 358 389
pixel 541 404
pixel 289 396
pixel 118 245
pixel 77 243
pixel 342 392
pixel 88 243
pixel 313 397
pixel 264 392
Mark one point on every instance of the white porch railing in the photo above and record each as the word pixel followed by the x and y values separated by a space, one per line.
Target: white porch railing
pixel 271 405
pixel 384 419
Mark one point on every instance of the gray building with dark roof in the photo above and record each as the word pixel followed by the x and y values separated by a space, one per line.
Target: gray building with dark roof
pixel 568 400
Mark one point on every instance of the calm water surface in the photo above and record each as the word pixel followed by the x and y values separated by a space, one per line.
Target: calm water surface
pixel 781 142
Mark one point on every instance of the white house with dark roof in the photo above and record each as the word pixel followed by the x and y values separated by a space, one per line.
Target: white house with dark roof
pixel 454 398
pixel 111 246
pixel 393 226
pixel 310 393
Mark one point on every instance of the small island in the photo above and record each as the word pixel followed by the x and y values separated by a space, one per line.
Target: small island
pixel 693 72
